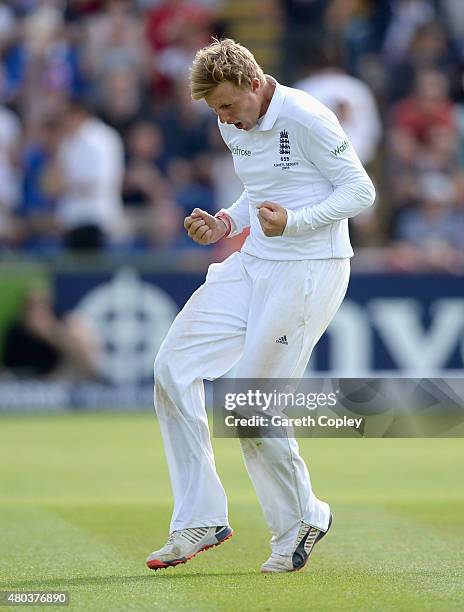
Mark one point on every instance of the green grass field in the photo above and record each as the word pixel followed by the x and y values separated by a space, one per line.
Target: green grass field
pixel 84 499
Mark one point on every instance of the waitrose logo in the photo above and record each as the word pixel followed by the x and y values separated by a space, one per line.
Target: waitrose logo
pixel 239 151
pixel 341 148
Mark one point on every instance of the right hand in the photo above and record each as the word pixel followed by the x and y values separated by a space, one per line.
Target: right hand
pixel 203 228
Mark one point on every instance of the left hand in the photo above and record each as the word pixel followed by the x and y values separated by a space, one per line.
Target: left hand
pixel 273 218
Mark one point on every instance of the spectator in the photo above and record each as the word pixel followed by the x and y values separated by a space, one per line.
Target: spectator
pixel 357 29
pixel 175 29
pixel 417 119
pixel 43 62
pixel 151 210
pixel 10 134
pixel 120 98
pixel 115 38
pixel 430 234
pixel 76 9
pixel 408 16
pixel 145 145
pixel 423 137
pixel 86 180
pixel 350 99
pixel 39 345
pixel 167 21
pixel 429 48
pixel 453 16
pixel 185 125
pixel 301 21
pixel 7 26
pixel 39 230
pixel 192 185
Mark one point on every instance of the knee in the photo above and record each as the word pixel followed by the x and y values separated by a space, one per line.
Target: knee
pixel 163 369
pixel 166 396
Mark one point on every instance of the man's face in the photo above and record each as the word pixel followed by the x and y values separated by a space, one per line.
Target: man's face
pixel 235 105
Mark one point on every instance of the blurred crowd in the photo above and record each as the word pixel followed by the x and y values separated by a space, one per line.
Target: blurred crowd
pixel 101 147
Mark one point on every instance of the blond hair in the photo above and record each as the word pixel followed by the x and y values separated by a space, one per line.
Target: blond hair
pixel 223 60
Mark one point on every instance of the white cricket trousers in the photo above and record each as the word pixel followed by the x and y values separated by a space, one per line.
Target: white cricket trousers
pixel 245 305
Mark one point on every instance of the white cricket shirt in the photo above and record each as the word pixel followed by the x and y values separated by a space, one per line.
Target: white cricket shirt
pixel 297 156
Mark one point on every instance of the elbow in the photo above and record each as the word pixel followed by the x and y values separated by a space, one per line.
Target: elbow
pixel 367 193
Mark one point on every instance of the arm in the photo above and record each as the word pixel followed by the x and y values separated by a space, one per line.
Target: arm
pixel 329 149
pixel 203 228
pixel 238 213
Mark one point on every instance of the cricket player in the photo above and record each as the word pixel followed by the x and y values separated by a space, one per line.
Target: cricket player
pixel 264 307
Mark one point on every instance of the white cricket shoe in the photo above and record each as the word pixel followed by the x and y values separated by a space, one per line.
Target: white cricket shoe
pixel 184 544
pixel 307 537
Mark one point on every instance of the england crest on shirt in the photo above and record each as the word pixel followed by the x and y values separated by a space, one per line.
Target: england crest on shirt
pixel 284 152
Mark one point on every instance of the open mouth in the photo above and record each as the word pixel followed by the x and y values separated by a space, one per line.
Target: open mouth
pixel 239 125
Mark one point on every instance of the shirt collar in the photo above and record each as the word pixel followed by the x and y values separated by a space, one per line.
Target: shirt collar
pixel 268 120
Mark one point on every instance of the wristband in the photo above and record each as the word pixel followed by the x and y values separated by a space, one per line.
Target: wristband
pixel 224 217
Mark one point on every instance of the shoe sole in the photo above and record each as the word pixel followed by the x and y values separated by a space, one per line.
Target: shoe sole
pixel 318 539
pixel 155 564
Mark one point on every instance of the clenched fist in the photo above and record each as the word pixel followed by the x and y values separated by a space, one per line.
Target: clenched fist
pixel 273 218
pixel 203 227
